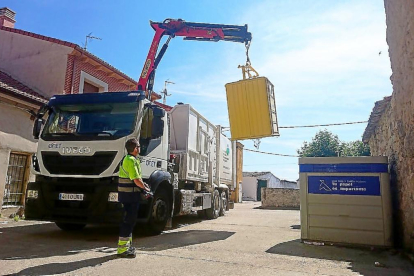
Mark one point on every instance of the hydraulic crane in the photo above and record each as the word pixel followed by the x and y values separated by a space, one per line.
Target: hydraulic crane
pixel 190 31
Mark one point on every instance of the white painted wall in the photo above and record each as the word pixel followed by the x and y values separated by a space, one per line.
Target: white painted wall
pixel 15 135
pixel 249 188
pixel 39 64
pixel 4 161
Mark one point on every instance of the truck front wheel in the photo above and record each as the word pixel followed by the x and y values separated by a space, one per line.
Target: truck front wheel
pixel 214 211
pixel 70 226
pixel 160 212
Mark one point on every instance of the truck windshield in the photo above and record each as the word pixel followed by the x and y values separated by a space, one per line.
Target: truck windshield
pixel 90 121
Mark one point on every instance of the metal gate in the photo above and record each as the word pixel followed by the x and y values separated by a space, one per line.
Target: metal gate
pixel 261 183
pixel 15 180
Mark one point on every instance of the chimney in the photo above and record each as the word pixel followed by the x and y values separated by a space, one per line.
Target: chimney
pixel 7 17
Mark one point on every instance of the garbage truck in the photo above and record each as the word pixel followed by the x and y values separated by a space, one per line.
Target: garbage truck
pixel 185 158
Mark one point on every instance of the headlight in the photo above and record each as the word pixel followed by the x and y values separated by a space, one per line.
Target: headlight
pixel 113 197
pixel 35 163
pixel 32 194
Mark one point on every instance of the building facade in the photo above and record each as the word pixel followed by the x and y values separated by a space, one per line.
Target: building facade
pixel 33 68
pixel 390 130
pixel 254 181
pixel 18 105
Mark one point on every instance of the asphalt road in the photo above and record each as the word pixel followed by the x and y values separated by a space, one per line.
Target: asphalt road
pixel 247 241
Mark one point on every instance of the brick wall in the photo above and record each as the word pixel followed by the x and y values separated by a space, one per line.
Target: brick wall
pixel 75 66
pixel 394 135
pixel 279 197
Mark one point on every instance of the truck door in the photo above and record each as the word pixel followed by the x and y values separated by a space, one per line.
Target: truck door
pixel 153 152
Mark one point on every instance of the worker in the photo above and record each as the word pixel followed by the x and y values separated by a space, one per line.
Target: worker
pixel 130 188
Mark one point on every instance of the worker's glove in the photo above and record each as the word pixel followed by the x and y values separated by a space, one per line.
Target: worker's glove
pixel 147 192
pixel 147 187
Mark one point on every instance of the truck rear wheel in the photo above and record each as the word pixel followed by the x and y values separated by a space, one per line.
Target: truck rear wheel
pixel 224 202
pixel 160 213
pixel 70 226
pixel 214 211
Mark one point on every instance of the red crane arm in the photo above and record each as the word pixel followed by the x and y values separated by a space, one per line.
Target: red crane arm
pixel 190 31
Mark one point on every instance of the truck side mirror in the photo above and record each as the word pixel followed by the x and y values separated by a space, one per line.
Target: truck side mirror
pixel 157 127
pixel 37 127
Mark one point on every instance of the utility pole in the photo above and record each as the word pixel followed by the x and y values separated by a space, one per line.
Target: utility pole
pixel 89 36
pixel 164 92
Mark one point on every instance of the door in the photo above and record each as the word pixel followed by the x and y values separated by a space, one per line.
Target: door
pixel 261 183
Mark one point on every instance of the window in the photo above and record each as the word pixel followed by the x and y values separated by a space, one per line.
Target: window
pixel 15 179
pixel 90 88
pixel 148 144
pixel 90 84
pixel 96 121
pixel 64 123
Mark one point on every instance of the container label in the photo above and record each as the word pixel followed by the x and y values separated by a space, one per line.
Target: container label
pixel 344 185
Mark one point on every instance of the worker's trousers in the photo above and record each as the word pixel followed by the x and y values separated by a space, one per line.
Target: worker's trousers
pixel 129 219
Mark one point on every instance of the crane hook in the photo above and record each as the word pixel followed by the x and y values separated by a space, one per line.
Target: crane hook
pixel 247 69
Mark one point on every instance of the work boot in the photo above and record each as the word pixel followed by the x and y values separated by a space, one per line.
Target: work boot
pixel 130 253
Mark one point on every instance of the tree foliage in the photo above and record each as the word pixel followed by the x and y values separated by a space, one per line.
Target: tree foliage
pixel 326 144
pixel 355 148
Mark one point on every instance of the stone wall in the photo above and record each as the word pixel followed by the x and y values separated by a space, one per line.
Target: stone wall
pixel 279 197
pixel 394 135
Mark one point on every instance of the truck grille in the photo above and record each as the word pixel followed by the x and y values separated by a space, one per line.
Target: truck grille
pixel 78 165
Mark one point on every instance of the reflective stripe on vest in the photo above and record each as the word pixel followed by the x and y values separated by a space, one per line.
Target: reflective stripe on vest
pixel 127 186
pixel 125 181
pixel 129 189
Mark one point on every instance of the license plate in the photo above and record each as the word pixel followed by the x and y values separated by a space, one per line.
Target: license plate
pixel 75 197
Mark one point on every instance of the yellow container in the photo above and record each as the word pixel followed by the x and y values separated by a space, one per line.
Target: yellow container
pixel 252 109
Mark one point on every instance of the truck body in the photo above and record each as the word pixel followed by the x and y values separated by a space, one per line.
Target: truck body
pixel 82 144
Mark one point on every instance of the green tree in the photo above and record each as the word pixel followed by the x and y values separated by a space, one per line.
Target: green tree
pixel 355 148
pixel 327 144
pixel 324 144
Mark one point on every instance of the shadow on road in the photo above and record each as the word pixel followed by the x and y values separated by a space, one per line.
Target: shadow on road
pixel 361 260
pixel 182 221
pixel 46 240
pixel 278 208
pixel 59 268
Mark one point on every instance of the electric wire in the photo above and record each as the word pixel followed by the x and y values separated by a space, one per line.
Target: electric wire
pixel 270 153
pixel 333 124
pixel 288 155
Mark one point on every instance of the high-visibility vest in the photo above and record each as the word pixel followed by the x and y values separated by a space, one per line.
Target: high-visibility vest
pixel 127 190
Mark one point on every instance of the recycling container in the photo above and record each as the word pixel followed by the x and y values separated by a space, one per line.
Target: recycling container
pixel 345 200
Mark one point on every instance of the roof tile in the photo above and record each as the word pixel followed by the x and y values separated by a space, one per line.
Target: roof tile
pixel 10 84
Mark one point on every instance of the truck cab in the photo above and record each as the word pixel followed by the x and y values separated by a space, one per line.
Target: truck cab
pixel 79 150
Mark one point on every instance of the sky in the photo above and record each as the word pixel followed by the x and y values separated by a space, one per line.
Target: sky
pixel 328 60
